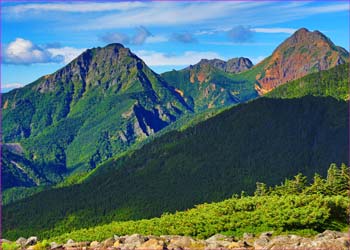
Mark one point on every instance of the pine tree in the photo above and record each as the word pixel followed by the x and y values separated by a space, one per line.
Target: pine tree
pixel 318 186
pixel 261 189
pixel 344 181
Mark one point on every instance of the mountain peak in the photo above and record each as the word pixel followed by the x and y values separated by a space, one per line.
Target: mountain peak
pixel 302 31
pixel 302 53
pixel 303 35
pixel 114 45
pixel 94 66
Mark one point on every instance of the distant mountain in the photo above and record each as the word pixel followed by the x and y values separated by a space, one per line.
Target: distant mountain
pixel 210 84
pixel 303 53
pixel 216 83
pixel 101 103
pixel 234 65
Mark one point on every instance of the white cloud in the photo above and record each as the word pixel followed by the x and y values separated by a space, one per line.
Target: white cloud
pixel 11 85
pixel 274 30
pixel 68 53
pixel 74 7
pixel 22 51
pixel 153 58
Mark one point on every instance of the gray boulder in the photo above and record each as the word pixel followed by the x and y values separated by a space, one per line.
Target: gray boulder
pixel 21 241
pixel 31 241
pixel 55 246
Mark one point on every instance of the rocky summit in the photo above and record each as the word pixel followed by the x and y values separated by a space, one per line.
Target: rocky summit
pixel 303 53
pixel 234 65
pixel 328 240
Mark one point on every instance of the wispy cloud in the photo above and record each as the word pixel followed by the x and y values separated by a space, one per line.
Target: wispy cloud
pixel 115 37
pixel 126 14
pixel 154 58
pixel 247 30
pixel 240 34
pixel 22 51
pixel 184 37
pixel 73 7
pixel 211 14
pixel 168 13
pixel 274 30
pixel 328 8
pixel 140 37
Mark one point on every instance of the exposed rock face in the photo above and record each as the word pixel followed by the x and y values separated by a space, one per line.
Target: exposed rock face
pixel 234 65
pixel 303 53
pixel 328 240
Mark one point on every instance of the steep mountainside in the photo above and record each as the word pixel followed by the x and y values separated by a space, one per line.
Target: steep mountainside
pixel 230 152
pixel 99 104
pixel 19 171
pixel 207 162
pixel 210 84
pixel 330 82
pixel 226 154
pixel 303 53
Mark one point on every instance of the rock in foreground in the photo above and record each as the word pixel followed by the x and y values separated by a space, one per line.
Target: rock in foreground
pixel 328 240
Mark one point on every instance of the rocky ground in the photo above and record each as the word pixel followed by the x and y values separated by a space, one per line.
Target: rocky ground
pixel 328 240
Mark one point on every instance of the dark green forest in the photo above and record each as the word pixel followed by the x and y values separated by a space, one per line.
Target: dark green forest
pixel 298 205
pixel 265 140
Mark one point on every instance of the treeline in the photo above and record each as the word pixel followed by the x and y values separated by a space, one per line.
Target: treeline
pixel 333 82
pixel 296 206
pixel 336 183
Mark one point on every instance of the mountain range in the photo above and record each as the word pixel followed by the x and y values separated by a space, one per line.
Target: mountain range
pixel 122 142
pixel 107 100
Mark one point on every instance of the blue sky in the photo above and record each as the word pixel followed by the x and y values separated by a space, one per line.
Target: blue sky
pixel 40 37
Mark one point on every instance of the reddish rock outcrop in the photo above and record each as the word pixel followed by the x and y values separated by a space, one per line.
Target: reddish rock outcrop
pixel 303 53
